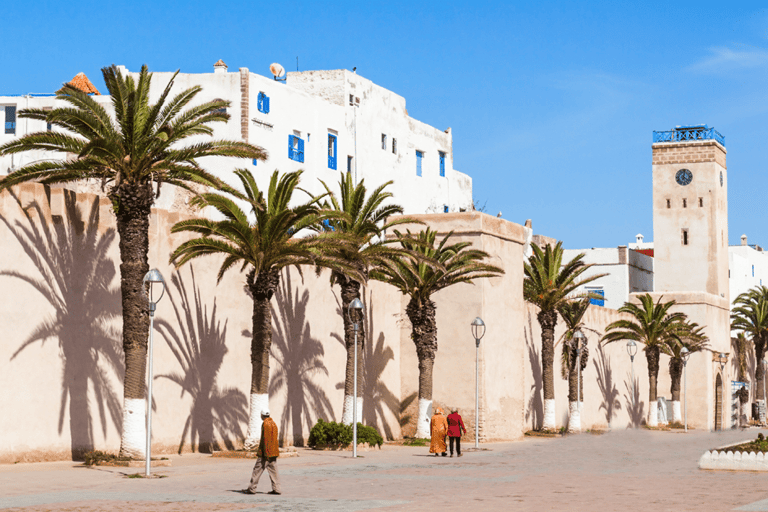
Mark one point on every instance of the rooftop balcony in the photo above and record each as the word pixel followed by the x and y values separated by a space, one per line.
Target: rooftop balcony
pixel 686 133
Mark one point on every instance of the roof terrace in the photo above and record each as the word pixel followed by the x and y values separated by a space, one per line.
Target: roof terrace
pixel 686 133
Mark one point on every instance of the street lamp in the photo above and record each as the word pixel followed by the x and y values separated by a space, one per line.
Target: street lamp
pixel 632 350
pixel 153 278
pixel 685 354
pixel 478 331
pixel 356 306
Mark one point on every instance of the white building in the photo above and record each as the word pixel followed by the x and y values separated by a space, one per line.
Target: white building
pixel 747 267
pixel 324 122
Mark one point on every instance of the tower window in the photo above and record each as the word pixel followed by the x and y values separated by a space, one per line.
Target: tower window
pixel 442 163
pixel 669 203
pixel 383 141
pixel 394 146
pixel 685 236
pixel 685 203
pixel 701 202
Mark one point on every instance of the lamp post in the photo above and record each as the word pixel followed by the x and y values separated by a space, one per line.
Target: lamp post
pixel 356 306
pixel 153 277
pixel 685 354
pixel 478 331
pixel 632 350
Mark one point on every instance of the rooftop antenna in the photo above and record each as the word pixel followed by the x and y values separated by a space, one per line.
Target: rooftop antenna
pixel 277 71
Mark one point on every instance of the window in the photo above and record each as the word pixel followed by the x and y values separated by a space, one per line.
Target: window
pixel 221 110
pixel 701 202
pixel 255 162
pixel 753 271
pixel 296 148
pixel 262 103
pixel 442 163
pixel 384 141
pixel 419 156
pixel 446 209
pixel 597 291
pixel 669 203
pixel 10 119
pixel 685 203
pixel 685 236
pixel 349 164
pixel 332 151
pixel 48 126
pixel 394 145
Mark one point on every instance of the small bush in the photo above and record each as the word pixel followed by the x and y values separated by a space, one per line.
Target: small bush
pixel 330 433
pixel 416 441
pixel 96 456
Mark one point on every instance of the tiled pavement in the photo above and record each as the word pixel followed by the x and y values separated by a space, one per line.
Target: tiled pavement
pixel 622 470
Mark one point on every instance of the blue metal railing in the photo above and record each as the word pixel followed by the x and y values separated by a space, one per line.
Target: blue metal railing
pixel 685 133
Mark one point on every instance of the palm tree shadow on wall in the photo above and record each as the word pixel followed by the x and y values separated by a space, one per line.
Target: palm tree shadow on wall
pixel 299 358
pixel 635 407
pixel 75 274
pixel 375 393
pixel 199 346
pixel 535 410
pixel 606 384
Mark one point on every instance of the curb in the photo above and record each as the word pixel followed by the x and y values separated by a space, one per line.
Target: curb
pixel 738 461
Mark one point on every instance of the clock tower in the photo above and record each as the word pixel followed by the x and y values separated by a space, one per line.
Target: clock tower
pixel 690 231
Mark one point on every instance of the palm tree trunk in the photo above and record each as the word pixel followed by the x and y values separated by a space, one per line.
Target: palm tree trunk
pixel 574 418
pixel 424 333
pixel 759 373
pixel 652 355
pixel 676 375
pixel 133 209
pixel 350 290
pixel 548 320
pixel 262 287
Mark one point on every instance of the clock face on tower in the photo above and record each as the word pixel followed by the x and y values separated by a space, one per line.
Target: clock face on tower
pixel 683 177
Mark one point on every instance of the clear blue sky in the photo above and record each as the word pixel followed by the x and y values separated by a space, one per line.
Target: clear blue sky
pixel 552 104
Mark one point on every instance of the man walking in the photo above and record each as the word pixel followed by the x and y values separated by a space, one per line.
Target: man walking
pixel 455 426
pixel 268 452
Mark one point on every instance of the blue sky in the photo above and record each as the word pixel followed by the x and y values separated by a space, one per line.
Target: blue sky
pixel 552 104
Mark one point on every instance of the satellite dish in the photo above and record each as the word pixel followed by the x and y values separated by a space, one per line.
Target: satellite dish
pixel 277 69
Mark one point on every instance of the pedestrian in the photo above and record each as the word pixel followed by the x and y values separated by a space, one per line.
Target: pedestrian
pixel 267 454
pixel 455 427
pixel 439 429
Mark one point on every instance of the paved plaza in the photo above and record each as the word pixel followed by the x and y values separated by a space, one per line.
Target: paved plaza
pixel 621 470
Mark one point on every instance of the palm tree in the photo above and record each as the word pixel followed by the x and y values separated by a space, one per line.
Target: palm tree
pixel 743 347
pixel 142 146
pixel 573 312
pixel 653 326
pixel 750 316
pixel 364 219
pixel 437 267
pixel 548 284
pixel 264 246
pixel 692 337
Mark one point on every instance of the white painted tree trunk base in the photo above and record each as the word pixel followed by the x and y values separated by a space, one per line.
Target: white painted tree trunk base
pixel 134 438
pixel 745 413
pixel 677 415
pixel 549 415
pixel 653 415
pixel 346 416
pixel 425 415
pixel 259 402
pixel 574 420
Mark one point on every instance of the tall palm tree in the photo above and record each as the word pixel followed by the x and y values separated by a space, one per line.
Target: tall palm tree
pixel 691 336
pixel 548 284
pixel 743 348
pixel 263 246
pixel 573 312
pixel 364 219
pixel 653 326
pixel 144 145
pixel 438 266
pixel 750 316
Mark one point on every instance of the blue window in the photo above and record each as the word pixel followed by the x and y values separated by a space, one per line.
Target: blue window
pixel 446 209
pixel 597 291
pixel 296 148
pixel 262 103
pixel 442 163
pixel 419 156
pixel 255 162
pixel 753 271
pixel 220 110
pixel 332 151
pixel 10 119
pixel 349 164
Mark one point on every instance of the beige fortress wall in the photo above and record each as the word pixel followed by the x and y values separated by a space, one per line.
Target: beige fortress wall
pixel 62 394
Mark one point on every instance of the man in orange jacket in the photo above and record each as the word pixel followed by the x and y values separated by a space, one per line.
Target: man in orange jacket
pixel 268 452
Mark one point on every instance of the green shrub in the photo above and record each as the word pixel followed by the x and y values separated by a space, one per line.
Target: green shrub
pixel 330 433
pixel 96 456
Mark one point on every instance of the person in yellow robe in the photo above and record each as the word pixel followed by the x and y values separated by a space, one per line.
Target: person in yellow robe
pixel 439 429
pixel 268 452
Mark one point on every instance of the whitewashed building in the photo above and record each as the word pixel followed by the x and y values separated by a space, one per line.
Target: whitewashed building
pixel 324 122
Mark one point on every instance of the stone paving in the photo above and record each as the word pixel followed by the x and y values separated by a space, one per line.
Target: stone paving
pixel 621 470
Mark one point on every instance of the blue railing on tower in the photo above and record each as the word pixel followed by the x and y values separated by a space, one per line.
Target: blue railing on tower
pixel 685 133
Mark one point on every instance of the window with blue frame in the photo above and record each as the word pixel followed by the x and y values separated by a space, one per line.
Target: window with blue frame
pixel 255 162
pixel 419 157
pixel 262 103
pixel 753 271
pixel 446 209
pixel 10 119
pixel 296 148
pixel 349 164
pixel 595 301
pixel 332 151
pixel 222 110
pixel 442 163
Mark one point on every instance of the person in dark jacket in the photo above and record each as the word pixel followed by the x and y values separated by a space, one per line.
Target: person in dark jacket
pixel 455 427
